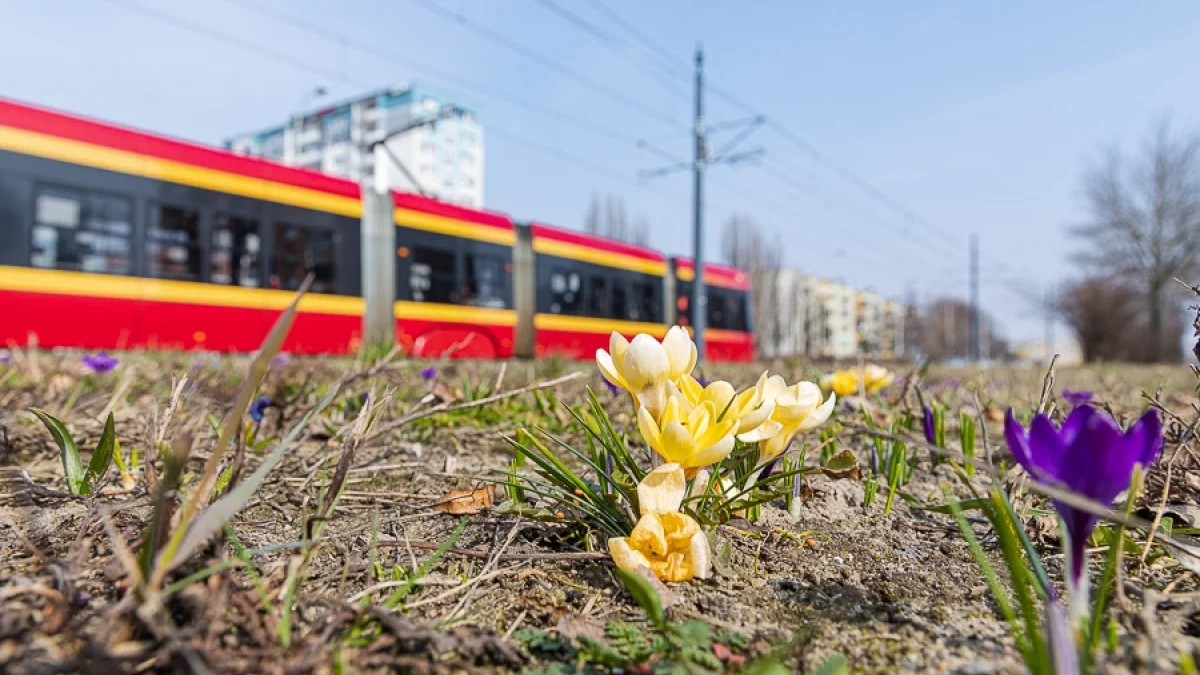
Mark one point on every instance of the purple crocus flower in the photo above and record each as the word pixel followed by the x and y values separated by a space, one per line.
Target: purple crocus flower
pixel 5 357
pixel 703 382
pixel 1091 456
pixel 429 373
pixel 259 408
pixel 280 360
pixel 612 388
pixel 1077 398
pixel 927 426
pixel 100 363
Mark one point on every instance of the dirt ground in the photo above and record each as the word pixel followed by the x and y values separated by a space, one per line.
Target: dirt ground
pixel 893 593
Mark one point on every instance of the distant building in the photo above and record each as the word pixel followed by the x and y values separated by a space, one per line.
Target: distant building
pixel 830 319
pixel 440 144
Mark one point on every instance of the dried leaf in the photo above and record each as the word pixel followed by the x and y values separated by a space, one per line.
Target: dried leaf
pixel 842 465
pixel 466 502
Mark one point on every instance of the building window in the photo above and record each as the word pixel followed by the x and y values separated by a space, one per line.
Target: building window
pixel 566 296
pixel 77 230
pixel 236 252
pixel 431 276
pixel 173 249
pixel 301 250
pixel 485 281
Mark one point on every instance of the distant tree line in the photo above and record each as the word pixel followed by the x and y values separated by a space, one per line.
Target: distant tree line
pixel 609 218
pixel 1142 232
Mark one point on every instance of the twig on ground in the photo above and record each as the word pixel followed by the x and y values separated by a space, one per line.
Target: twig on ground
pixel 1047 384
pixel 475 553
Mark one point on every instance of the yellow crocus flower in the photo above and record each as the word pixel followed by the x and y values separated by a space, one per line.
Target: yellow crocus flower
pixel 693 439
pixel 645 367
pixel 666 541
pixel 870 379
pixel 750 408
pixel 798 408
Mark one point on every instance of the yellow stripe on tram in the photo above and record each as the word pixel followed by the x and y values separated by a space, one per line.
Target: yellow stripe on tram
pixel 60 282
pixel 587 254
pixel 584 324
pixel 429 222
pixel 147 166
pixel 423 311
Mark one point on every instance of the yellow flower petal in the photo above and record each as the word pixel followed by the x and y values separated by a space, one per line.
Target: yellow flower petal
pixel 820 415
pixel 624 556
pixel 680 350
pixel 678 445
pixel 662 490
pixel 650 535
pixel 649 429
pixel 711 454
pixel 645 362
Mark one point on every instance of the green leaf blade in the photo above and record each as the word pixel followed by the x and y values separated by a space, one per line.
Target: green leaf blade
pixel 72 466
pixel 103 456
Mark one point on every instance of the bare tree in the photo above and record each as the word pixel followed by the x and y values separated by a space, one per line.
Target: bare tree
pixel 592 223
pixel 946 331
pixel 746 247
pixel 612 221
pixel 1144 220
pixel 1111 322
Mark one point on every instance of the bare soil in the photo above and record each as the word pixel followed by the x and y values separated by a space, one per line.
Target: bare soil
pixel 895 593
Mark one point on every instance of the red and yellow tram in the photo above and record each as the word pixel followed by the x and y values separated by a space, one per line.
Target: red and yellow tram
pixel 115 238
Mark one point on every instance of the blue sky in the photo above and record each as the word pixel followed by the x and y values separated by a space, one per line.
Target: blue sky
pixel 975 117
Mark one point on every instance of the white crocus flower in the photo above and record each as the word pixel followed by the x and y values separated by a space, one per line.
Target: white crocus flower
pixel 645 367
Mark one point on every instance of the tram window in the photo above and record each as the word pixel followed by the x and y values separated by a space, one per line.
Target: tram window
pixel 173 243
pixel 566 292
pixel 597 291
pixel 619 305
pixel 727 310
pixel 485 281
pixel 236 252
pixel 431 276
pixel 646 305
pixel 301 250
pixel 76 230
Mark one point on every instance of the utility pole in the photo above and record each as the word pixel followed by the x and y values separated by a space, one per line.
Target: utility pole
pixel 701 160
pixel 699 302
pixel 974 315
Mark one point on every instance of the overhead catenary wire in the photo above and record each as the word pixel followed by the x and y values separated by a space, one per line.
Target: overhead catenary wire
pixel 782 131
pixel 225 37
pixel 617 46
pixel 467 83
pixel 514 46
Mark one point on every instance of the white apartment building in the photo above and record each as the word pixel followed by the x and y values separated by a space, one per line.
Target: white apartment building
pixel 439 143
pixel 829 319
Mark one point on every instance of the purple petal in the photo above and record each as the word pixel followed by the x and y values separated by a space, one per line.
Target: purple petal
pixel 1018 441
pixel 100 363
pixel 1099 461
pixel 927 424
pixel 1076 422
pixel 1146 438
pixel 429 373
pixel 1079 529
pixel 1077 398
pixel 1047 447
